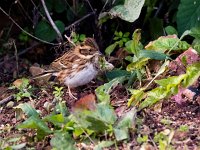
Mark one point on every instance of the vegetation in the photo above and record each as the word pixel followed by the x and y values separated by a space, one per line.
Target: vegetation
pixel 141 104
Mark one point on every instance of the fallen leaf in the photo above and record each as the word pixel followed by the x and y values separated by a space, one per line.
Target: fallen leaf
pixel 86 102
pixel 17 83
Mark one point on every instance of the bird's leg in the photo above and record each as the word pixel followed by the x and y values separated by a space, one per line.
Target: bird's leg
pixel 70 93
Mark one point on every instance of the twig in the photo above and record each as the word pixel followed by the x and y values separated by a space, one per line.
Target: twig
pixel 6 100
pixel 20 53
pixel 78 21
pixel 25 30
pixel 60 39
pixel 90 6
pixel 16 57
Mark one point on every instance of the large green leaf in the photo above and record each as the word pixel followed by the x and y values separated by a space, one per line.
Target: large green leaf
pixel 45 32
pixel 166 43
pixel 130 11
pixel 153 55
pixel 36 123
pixel 103 91
pixel 62 141
pixel 188 15
pixel 28 110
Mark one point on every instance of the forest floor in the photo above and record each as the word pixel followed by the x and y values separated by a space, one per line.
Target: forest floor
pixel 167 123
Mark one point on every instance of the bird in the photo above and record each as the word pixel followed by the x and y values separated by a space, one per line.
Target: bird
pixel 76 67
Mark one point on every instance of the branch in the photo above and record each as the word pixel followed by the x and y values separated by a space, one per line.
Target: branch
pixel 20 53
pixel 78 21
pixel 6 100
pixel 60 39
pixel 25 30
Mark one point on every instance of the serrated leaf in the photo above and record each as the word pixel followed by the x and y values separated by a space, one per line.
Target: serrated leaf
pixel 62 141
pixel 28 109
pixel 188 15
pixel 36 123
pixel 45 32
pixel 130 11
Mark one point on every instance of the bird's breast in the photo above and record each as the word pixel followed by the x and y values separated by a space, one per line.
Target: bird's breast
pixel 82 77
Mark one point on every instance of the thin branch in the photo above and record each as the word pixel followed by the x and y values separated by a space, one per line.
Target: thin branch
pixel 90 6
pixel 20 53
pixel 25 30
pixel 6 100
pixel 78 21
pixel 60 39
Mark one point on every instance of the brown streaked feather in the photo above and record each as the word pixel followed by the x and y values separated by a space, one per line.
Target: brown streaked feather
pixel 91 42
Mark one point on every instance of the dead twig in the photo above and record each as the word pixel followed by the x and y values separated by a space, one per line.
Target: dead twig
pixel 25 30
pixel 60 39
pixel 6 100
pixel 20 53
pixel 78 21
pixel 16 57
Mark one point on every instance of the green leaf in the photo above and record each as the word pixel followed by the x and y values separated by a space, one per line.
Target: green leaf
pixel 82 37
pixel 45 32
pixel 188 15
pixel 128 119
pixel 166 43
pixel 195 32
pixel 34 122
pixel 57 120
pixel 116 73
pixel 136 97
pixel 130 11
pixel 139 64
pixel 121 134
pixel 102 92
pixel 28 109
pixel 126 34
pixel 104 144
pixel 153 55
pixel 120 34
pixel 170 30
pixel 62 141
pixel 59 6
pixel 171 81
pixel 97 120
pixel 193 73
pixel 18 146
pixel 111 48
